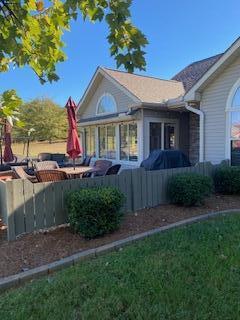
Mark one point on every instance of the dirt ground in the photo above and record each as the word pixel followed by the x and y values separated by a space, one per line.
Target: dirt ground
pixel 34 250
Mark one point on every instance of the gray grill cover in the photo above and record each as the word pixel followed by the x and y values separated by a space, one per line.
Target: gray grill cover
pixel 165 159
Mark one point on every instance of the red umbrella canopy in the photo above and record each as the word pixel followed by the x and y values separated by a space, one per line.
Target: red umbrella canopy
pixel 8 154
pixel 73 143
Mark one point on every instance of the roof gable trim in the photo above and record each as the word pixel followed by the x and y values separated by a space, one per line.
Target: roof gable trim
pixel 112 80
pixel 192 94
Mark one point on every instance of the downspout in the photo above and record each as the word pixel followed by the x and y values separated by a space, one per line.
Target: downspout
pixel 201 128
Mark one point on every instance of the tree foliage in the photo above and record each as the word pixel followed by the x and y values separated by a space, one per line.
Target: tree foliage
pixel 9 107
pixel 32 34
pixel 48 120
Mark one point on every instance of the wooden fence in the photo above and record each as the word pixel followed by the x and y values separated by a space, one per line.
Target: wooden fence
pixel 26 206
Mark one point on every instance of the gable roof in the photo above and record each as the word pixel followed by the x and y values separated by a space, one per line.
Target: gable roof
pixel 221 62
pixel 147 89
pixel 193 72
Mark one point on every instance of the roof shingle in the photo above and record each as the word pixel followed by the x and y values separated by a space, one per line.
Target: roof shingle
pixel 147 89
pixel 192 73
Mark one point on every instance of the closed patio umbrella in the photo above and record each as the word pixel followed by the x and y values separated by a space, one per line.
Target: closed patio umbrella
pixel 73 143
pixel 8 154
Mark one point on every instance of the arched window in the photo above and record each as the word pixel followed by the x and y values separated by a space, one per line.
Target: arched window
pixel 106 104
pixel 233 119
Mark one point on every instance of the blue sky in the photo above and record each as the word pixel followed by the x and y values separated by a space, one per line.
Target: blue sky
pixel 179 32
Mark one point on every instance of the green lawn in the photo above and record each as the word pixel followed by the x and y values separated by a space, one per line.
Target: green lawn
pixel 187 273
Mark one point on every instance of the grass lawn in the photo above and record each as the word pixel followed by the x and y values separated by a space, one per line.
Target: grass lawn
pixel 38 147
pixel 187 273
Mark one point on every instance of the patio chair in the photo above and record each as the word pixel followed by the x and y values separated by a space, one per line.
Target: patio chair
pixel 113 170
pixel 8 175
pixel 5 167
pixel 86 161
pixel 22 174
pixel 51 175
pixel 60 158
pixel 46 165
pixel 44 156
pixel 102 166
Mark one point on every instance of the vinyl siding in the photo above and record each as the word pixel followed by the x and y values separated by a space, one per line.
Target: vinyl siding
pixel 213 104
pixel 105 86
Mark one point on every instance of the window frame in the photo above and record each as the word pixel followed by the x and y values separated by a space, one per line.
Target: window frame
pixel 106 94
pixel 90 128
pixel 106 141
pixel 229 110
pixel 128 136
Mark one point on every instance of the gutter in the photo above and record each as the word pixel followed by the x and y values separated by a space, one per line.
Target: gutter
pixel 201 133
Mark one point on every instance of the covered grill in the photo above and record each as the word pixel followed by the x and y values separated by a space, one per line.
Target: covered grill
pixel 165 159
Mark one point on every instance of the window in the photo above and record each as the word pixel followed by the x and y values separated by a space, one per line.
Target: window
pixel 128 142
pixel 90 149
pixel 169 136
pixel 111 142
pixel 234 118
pixel 162 136
pixel 106 104
pixel 107 142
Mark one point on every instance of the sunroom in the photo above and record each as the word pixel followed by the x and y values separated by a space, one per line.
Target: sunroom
pixel 111 135
pixel 120 120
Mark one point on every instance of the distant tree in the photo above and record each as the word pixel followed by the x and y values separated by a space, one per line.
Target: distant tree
pixel 48 120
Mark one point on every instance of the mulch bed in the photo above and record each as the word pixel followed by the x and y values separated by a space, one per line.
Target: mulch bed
pixel 34 250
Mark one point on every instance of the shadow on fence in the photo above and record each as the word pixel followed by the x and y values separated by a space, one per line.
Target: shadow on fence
pixel 26 207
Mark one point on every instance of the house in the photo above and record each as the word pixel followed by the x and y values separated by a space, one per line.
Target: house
pixel 123 117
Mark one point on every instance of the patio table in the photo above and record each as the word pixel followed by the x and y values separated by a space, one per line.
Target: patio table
pixel 78 171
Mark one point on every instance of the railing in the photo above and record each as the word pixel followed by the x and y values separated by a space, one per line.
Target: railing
pixel 26 206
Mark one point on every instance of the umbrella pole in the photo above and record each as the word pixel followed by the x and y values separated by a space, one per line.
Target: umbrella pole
pixel 74 165
pixel 28 152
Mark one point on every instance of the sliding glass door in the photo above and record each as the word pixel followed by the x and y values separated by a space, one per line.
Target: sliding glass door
pixel 162 136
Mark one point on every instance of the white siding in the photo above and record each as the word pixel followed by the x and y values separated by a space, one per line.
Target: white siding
pixel 213 104
pixel 105 86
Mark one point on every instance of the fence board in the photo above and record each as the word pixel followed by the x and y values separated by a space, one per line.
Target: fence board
pixel 10 219
pixel 49 204
pixel 28 194
pixel 136 189
pixel 18 207
pixel 3 204
pixel 149 189
pixel 126 187
pixel 39 205
pixel 60 217
pixel 143 187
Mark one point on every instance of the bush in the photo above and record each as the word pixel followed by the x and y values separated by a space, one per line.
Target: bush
pixel 94 212
pixel 189 189
pixel 227 180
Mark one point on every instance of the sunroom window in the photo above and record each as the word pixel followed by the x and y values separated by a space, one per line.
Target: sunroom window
pixel 128 142
pixel 106 104
pixel 235 129
pixel 90 148
pixel 107 142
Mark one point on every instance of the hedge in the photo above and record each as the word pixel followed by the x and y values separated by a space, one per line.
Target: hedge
pixel 94 212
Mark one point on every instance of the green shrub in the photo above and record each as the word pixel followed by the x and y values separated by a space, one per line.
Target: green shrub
pixel 227 180
pixel 189 189
pixel 94 212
